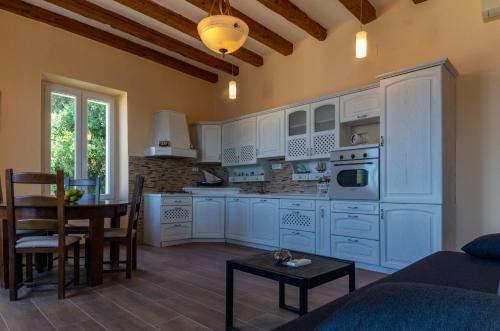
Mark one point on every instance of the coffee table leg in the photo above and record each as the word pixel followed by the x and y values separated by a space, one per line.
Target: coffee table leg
pixel 282 295
pixel 229 296
pixel 303 300
pixel 352 280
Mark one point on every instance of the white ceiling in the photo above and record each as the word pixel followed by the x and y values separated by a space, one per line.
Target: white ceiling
pixel 328 13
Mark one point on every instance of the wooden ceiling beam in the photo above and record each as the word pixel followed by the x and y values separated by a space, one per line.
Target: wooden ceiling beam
pixel 257 30
pixel 45 16
pixel 297 16
pixel 183 24
pixel 419 1
pixel 124 24
pixel 354 6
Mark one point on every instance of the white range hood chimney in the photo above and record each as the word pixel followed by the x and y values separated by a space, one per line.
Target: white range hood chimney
pixel 170 136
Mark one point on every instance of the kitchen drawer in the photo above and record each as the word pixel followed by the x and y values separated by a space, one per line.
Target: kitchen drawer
pixel 177 201
pixel 301 241
pixel 358 207
pixel 297 204
pixel 176 231
pixel 176 214
pixel 303 220
pixel 355 249
pixel 356 225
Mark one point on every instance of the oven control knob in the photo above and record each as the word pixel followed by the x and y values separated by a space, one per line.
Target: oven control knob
pixel 353 156
pixel 365 155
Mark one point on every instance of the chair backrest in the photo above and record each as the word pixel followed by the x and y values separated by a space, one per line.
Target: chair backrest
pixel 135 206
pixel 1 195
pixel 36 212
pixel 69 183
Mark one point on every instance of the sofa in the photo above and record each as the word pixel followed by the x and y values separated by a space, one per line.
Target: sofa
pixel 448 270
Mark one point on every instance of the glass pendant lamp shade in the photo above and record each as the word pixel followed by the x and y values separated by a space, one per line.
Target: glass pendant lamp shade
pixel 223 34
pixel 361 44
pixel 232 90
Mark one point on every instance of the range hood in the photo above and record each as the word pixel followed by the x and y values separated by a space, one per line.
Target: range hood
pixel 170 136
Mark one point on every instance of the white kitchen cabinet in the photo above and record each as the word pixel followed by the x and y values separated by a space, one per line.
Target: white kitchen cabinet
pixel 360 106
pixel 208 217
pixel 323 133
pixel 175 231
pixel 301 241
pixel 237 218
pixel 311 130
pixel 411 156
pixel 409 232
pixel 356 249
pixel 264 222
pixel 209 140
pixel 239 142
pixel 271 135
pixel 298 133
pixel 323 228
pixel 304 220
pixel 356 225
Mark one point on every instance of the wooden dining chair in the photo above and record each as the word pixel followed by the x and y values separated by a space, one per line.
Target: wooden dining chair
pixel 38 213
pixel 77 227
pixel 128 236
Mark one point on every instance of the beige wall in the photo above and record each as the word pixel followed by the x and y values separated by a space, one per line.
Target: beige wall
pixel 404 35
pixel 31 50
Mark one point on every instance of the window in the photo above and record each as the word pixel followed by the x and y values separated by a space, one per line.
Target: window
pixel 79 135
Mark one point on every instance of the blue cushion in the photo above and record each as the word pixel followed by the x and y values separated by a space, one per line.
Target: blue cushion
pixel 415 306
pixel 487 246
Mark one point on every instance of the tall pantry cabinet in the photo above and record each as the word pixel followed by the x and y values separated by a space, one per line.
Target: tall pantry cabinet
pixel 417 161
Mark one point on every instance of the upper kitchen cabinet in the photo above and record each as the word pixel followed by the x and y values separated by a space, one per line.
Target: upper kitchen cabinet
pixel 417 154
pixel 208 137
pixel 239 142
pixel 271 135
pixel 310 130
pixel 360 106
pixel 323 119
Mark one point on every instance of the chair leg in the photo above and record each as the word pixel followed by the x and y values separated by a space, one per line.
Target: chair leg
pixel 40 260
pixel 87 256
pixel 29 267
pixel 50 261
pixel 76 261
pixel 61 290
pixel 129 259
pixel 134 253
pixel 13 276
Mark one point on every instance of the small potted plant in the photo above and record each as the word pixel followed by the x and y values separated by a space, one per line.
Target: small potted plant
pixel 323 182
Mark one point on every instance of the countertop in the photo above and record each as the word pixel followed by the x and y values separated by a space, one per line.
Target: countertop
pixel 300 196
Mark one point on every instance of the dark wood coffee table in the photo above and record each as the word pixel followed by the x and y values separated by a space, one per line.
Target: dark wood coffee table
pixel 322 270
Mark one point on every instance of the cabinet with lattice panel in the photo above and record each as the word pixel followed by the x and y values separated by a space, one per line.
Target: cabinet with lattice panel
pixel 303 220
pixel 239 142
pixel 176 214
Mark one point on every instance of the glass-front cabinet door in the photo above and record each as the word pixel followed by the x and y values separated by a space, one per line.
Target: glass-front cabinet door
pixel 323 124
pixel 298 133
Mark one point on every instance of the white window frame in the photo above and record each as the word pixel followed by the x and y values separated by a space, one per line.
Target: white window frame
pixel 82 96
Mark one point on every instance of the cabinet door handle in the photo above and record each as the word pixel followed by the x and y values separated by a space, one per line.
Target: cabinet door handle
pixel 322 213
pixel 296 204
pixel 352 207
pixel 352 216
pixel 256 151
pixel 208 199
pixel 236 199
pixel 295 233
pixel 362 116
pixel 382 142
pixel 263 200
pixel 381 214
pixel 353 240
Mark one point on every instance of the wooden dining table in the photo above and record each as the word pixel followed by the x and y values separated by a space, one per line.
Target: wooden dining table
pixel 96 212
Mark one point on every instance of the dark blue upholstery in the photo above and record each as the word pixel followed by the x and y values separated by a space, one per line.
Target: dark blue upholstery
pixel 414 306
pixel 487 246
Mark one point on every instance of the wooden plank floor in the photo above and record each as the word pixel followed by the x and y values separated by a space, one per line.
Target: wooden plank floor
pixel 177 288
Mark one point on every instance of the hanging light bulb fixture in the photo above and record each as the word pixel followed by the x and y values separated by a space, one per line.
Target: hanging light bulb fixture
pixel 224 33
pixel 232 87
pixel 361 39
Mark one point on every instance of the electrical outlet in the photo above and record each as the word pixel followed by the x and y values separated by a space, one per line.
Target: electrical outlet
pixel 195 169
pixel 276 166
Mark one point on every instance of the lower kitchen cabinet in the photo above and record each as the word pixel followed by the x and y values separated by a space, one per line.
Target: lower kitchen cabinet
pixel 323 228
pixel 208 217
pixel 264 222
pixel 355 225
pixel 301 241
pixel 175 231
pixel 408 232
pixel 356 249
pixel 237 218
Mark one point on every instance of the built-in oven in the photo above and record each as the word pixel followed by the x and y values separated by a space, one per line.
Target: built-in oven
pixel 355 174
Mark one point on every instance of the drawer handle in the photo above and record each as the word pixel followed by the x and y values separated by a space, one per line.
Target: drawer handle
pixel 208 199
pixel 296 204
pixel 263 200
pixel 351 207
pixel 295 233
pixel 177 225
pixel 236 199
pixel 178 201
pixel 353 240
pixel 362 116
pixel 352 216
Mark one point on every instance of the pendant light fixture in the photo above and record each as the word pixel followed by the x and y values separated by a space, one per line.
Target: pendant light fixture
pixel 361 39
pixel 232 87
pixel 224 33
